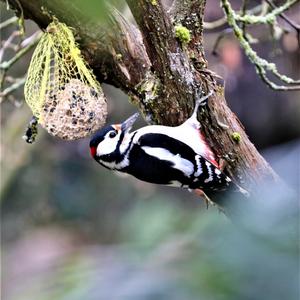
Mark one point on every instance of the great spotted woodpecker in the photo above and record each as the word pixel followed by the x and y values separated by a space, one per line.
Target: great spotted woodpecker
pixel 175 156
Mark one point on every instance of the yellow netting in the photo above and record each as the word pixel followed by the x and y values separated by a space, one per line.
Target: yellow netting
pixel 61 91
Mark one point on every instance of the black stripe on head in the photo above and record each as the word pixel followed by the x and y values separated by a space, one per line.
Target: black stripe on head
pixel 122 155
pixel 98 137
pixel 120 140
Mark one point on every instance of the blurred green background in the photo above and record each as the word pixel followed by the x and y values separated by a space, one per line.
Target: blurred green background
pixel 71 229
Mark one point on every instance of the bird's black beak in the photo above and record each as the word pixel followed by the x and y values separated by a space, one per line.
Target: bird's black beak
pixel 127 124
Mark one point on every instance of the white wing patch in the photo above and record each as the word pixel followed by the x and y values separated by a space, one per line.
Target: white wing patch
pixel 218 172
pixel 185 133
pixel 188 135
pixel 210 174
pixel 199 168
pixel 179 163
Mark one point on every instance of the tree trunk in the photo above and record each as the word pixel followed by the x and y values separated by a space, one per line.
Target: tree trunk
pixel 162 75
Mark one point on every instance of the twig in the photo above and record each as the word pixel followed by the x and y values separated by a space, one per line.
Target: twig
pixel 8 22
pixel 7 43
pixel 223 21
pixel 21 22
pixel 4 66
pixel 261 65
pixel 262 73
pixel 12 88
pixel 215 24
pixel 269 18
pixel 285 17
pixel 244 12
pixel 7 64
pixel 288 20
pixel 31 39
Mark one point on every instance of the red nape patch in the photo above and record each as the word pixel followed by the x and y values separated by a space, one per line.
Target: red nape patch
pixel 93 151
pixel 209 155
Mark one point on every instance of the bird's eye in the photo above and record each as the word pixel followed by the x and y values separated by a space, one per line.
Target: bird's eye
pixel 112 134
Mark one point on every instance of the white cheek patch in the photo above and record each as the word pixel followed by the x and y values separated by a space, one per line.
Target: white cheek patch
pixel 108 145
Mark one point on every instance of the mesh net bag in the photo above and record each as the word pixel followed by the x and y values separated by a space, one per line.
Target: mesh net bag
pixel 61 90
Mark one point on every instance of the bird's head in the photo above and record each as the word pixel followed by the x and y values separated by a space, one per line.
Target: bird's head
pixel 105 144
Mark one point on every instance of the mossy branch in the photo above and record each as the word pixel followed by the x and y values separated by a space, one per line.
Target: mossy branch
pixel 262 65
pixel 217 24
pixel 269 18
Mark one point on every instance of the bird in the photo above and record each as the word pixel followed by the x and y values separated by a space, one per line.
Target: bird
pixel 174 156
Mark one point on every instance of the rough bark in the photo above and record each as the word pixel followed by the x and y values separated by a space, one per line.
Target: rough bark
pixel 162 76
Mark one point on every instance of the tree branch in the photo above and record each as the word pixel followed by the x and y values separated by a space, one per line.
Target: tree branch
pixel 288 20
pixel 262 66
pixel 269 18
pixel 191 60
pixel 163 74
pixel 13 87
pixel 217 24
pixel 115 49
pixel 8 64
pixel 170 63
pixel 8 22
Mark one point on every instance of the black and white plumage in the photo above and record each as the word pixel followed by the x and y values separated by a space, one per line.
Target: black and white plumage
pixel 176 156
